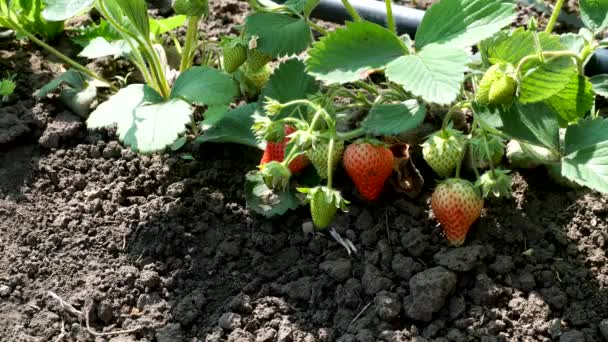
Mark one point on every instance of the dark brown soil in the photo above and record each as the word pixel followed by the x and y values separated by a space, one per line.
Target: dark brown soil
pixel 168 247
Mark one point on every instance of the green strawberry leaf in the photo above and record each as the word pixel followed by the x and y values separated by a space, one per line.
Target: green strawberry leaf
pixel 137 12
pixel 204 85
pixel 72 78
pixel 278 34
pixel 539 81
pixel 390 119
pixel 573 42
pixel 99 47
pixel 586 160
pixel 544 80
pixel 600 84
pixel 575 100
pixel 29 17
pixel 302 6
pixel 233 127
pixel 266 201
pixel 534 123
pixel 60 10
pixel 349 53
pixel 594 14
pixel 512 47
pixel 164 25
pixel 435 73
pixel 289 82
pixel 461 23
pixel 144 121
pixel 86 34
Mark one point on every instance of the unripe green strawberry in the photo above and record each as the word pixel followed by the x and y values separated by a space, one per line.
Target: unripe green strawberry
pixel 443 151
pixel 324 203
pixel 322 210
pixel 257 59
pixel 456 205
pixel 502 92
pixel 258 77
pixel 234 54
pixel 496 86
pixel 318 156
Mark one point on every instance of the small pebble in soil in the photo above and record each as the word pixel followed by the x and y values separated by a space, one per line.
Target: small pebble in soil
pixel 461 259
pixel 572 336
pixel 503 264
pixel 405 267
pixel 387 305
pixel 428 291
pixel 555 328
pixel 230 321
pixel 603 326
pixel 149 279
pixel 526 281
pixel 373 281
pixel 4 291
pixel 339 269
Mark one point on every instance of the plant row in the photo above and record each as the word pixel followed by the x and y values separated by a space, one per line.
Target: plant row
pixel 499 97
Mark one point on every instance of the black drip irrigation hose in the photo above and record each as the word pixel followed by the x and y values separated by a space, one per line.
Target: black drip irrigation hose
pixel 408 19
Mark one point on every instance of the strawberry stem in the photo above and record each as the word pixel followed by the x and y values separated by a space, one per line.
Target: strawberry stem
pixel 390 20
pixel 351 134
pixel 330 171
pixel 352 11
pixel 485 145
pixel 556 11
pixel 549 54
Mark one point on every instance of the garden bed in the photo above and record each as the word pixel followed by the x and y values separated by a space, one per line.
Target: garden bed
pixel 166 248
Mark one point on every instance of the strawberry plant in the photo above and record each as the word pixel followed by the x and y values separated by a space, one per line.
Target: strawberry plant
pixel 152 115
pixel 523 86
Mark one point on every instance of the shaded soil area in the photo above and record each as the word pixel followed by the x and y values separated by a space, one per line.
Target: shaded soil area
pixel 166 248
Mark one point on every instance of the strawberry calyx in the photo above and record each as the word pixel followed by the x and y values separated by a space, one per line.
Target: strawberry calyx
pixel 275 175
pixel 371 141
pixel 497 182
pixel 332 196
pixel 324 203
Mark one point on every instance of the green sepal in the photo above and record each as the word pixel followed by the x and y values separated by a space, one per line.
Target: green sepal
pixel 498 183
pixel 324 203
pixel 276 175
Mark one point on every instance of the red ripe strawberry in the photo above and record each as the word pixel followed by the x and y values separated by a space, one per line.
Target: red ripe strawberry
pixel 456 204
pixel 275 151
pixel 368 165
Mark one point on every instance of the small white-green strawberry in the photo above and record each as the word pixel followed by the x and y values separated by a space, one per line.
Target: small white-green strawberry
pixel 496 87
pixel 319 153
pixel 443 151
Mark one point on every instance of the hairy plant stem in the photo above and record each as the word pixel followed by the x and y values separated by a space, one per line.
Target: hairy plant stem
pixel 318 114
pixel 390 20
pixel 149 55
pixel 352 11
pixel 550 54
pixel 556 11
pixel 351 134
pixel 330 171
pixel 487 149
pixel 190 43
pixel 316 27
